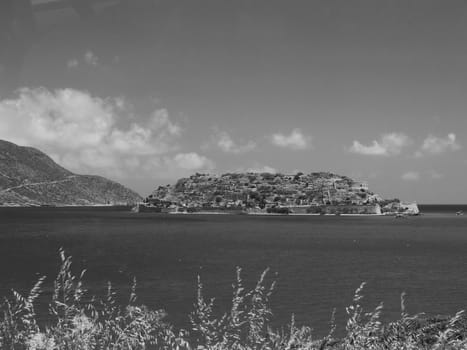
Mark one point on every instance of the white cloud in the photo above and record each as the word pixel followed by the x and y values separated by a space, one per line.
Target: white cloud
pixel 93 135
pixel 438 145
pixel 411 176
pixel 160 120
pixel 224 141
pixel 296 140
pixel 193 161
pixel 177 166
pixel 91 58
pixel 389 145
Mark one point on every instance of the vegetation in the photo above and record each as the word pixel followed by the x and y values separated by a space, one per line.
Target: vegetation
pixel 80 322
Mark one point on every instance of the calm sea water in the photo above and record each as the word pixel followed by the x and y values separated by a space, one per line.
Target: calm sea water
pixel 317 261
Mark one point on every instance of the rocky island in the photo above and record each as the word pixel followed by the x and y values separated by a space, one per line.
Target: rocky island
pixel 28 177
pixel 267 193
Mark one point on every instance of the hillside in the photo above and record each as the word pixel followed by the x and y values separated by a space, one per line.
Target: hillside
pixel 30 177
pixel 264 190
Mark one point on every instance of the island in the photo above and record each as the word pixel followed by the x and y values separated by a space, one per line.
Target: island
pixel 317 193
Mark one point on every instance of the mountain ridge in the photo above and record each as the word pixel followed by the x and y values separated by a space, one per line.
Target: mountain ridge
pixel 29 177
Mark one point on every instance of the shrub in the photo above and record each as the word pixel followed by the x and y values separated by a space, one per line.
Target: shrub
pixel 79 322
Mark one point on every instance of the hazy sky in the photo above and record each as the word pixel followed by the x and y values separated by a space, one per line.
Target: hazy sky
pixel 145 92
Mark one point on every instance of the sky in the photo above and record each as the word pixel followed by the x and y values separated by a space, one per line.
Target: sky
pixel 147 91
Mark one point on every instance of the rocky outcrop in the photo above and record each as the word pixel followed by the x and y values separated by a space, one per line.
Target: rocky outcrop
pixel 264 190
pixel 394 208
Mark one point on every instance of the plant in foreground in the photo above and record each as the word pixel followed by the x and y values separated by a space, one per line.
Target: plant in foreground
pixel 80 322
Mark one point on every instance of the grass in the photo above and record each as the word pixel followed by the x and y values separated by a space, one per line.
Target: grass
pixel 81 322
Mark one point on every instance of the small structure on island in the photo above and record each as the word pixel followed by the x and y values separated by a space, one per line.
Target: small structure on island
pixel 410 208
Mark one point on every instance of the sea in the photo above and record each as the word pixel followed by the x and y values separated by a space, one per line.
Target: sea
pixel 317 262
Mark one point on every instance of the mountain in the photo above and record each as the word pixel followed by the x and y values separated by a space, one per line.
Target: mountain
pixel 30 177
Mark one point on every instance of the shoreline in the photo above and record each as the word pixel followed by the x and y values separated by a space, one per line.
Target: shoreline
pixel 273 214
pixel 66 206
pixel 184 213
pixel 444 212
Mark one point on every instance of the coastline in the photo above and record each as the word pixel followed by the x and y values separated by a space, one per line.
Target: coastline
pixel 269 214
pixel 65 205
pixel 425 210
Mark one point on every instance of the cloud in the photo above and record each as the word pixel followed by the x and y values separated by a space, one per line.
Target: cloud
pixel 438 145
pixel 193 161
pixel 89 58
pixel 390 144
pixel 89 134
pixel 296 140
pixel 224 141
pixel 172 166
pixel 411 176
